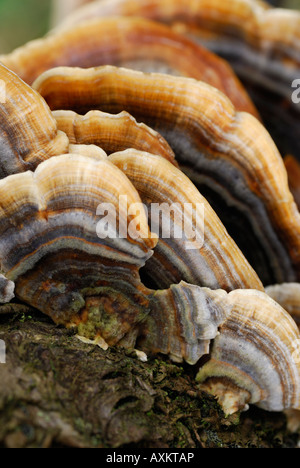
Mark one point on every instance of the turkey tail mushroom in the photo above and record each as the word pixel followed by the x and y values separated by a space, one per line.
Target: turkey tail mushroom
pixel 63 262
pixel 256 357
pixel 75 266
pixel 288 296
pixel 193 244
pixel 129 42
pixel 260 42
pixel 214 146
pixel 112 133
pixel 28 131
pixel 51 245
pixel 244 31
pixel 183 322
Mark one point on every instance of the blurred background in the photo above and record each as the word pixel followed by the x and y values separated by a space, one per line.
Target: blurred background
pixel 23 20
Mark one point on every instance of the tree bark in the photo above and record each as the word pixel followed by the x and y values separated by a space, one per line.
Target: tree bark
pixel 56 391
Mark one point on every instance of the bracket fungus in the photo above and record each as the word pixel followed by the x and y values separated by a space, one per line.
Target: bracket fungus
pixel 254 359
pixel 214 261
pixel 86 154
pixel 288 296
pixel 112 132
pixel 260 42
pixel 52 249
pixel 214 145
pixel 78 271
pixel 29 132
pixel 133 43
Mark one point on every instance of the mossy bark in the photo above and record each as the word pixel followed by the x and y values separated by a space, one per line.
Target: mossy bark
pixel 56 391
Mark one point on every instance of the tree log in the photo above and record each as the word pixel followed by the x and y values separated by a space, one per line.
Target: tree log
pixel 56 391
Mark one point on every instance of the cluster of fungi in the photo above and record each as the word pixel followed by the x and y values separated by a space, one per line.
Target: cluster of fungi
pixel 177 102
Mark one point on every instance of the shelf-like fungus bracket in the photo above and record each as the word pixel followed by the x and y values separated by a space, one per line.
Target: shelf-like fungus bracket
pixel 112 132
pixel 51 249
pixel 193 244
pixel 260 42
pixel 64 263
pixel 214 145
pixel 133 43
pixel 82 273
pixel 256 357
pixel 29 132
pixel 288 296
pixel 245 32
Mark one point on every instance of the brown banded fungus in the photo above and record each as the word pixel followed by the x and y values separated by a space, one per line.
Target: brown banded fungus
pixel 255 358
pixel 133 43
pixel 260 42
pixel 52 249
pixel 293 169
pixel 228 155
pixel 112 132
pixel 81 273
pixel 29 132
pixel 80 177
pixel 288 296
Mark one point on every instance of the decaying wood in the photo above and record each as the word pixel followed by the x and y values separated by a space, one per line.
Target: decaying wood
pixel 56 391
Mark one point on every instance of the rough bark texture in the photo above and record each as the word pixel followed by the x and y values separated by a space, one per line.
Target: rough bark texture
pixel 56 391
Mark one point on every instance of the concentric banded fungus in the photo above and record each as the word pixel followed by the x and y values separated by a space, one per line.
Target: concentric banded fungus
pixel 50 246
pixel 28 131
pixel 91 151
pixel 288 296
pixel 254 359
pixel 112 132
pixel 214 144
pixel 129 42
pixel 182 253
pixel 50 249
pixel 182 322
pixel 243 30
pixel 260 42
pixel 63 263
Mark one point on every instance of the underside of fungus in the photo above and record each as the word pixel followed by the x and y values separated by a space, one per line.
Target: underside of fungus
pixel 214 145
